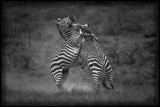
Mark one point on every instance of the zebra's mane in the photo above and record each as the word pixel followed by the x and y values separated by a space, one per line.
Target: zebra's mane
pixel 94 38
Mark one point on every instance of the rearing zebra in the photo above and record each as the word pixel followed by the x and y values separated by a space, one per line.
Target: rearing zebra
pixel 96 58
pixel 70 50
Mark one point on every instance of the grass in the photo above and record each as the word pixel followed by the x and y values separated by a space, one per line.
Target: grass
pixel 22 89
pixel 126 96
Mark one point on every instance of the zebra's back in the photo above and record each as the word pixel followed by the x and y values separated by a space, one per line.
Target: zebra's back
pixel 92 49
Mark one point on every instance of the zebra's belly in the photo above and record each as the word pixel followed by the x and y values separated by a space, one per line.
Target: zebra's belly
pixel 68 65
pixel 69 59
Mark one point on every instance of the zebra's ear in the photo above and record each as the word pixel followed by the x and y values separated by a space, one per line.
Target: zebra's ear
pixel 73 18
pixel 56 21
pixel 80 31
pixel 86 25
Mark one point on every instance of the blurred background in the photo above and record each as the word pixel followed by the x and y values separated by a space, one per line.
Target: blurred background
pixel 127 31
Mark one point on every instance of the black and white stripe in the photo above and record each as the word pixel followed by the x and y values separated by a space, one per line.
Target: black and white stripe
pixel 64 60
pixel 97 60
pixel 61 64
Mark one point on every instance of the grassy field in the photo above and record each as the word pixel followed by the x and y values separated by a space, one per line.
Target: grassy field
pixel 34 91
pixel 127 33
pixel 127 96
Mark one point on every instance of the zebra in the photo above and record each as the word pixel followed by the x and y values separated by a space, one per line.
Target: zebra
pixel 61 64
pixel 92 52
pixel 97 60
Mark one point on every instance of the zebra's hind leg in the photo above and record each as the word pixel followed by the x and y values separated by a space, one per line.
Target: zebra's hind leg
pixel 97 89
pixel 96 69
pixel 57 85
pixel 110 86
pixel 58 78
pixel 109 76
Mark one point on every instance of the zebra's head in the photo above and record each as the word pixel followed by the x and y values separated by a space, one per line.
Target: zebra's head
pixel 65 22
pixel 84 31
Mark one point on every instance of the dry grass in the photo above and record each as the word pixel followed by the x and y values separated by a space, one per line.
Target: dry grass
pixel 123 95
pixel 132 95
pixel 21 89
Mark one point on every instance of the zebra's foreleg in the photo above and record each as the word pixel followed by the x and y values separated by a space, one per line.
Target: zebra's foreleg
pixel 96 81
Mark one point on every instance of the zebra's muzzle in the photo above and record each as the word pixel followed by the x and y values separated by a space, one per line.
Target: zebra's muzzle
pixel 80 25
